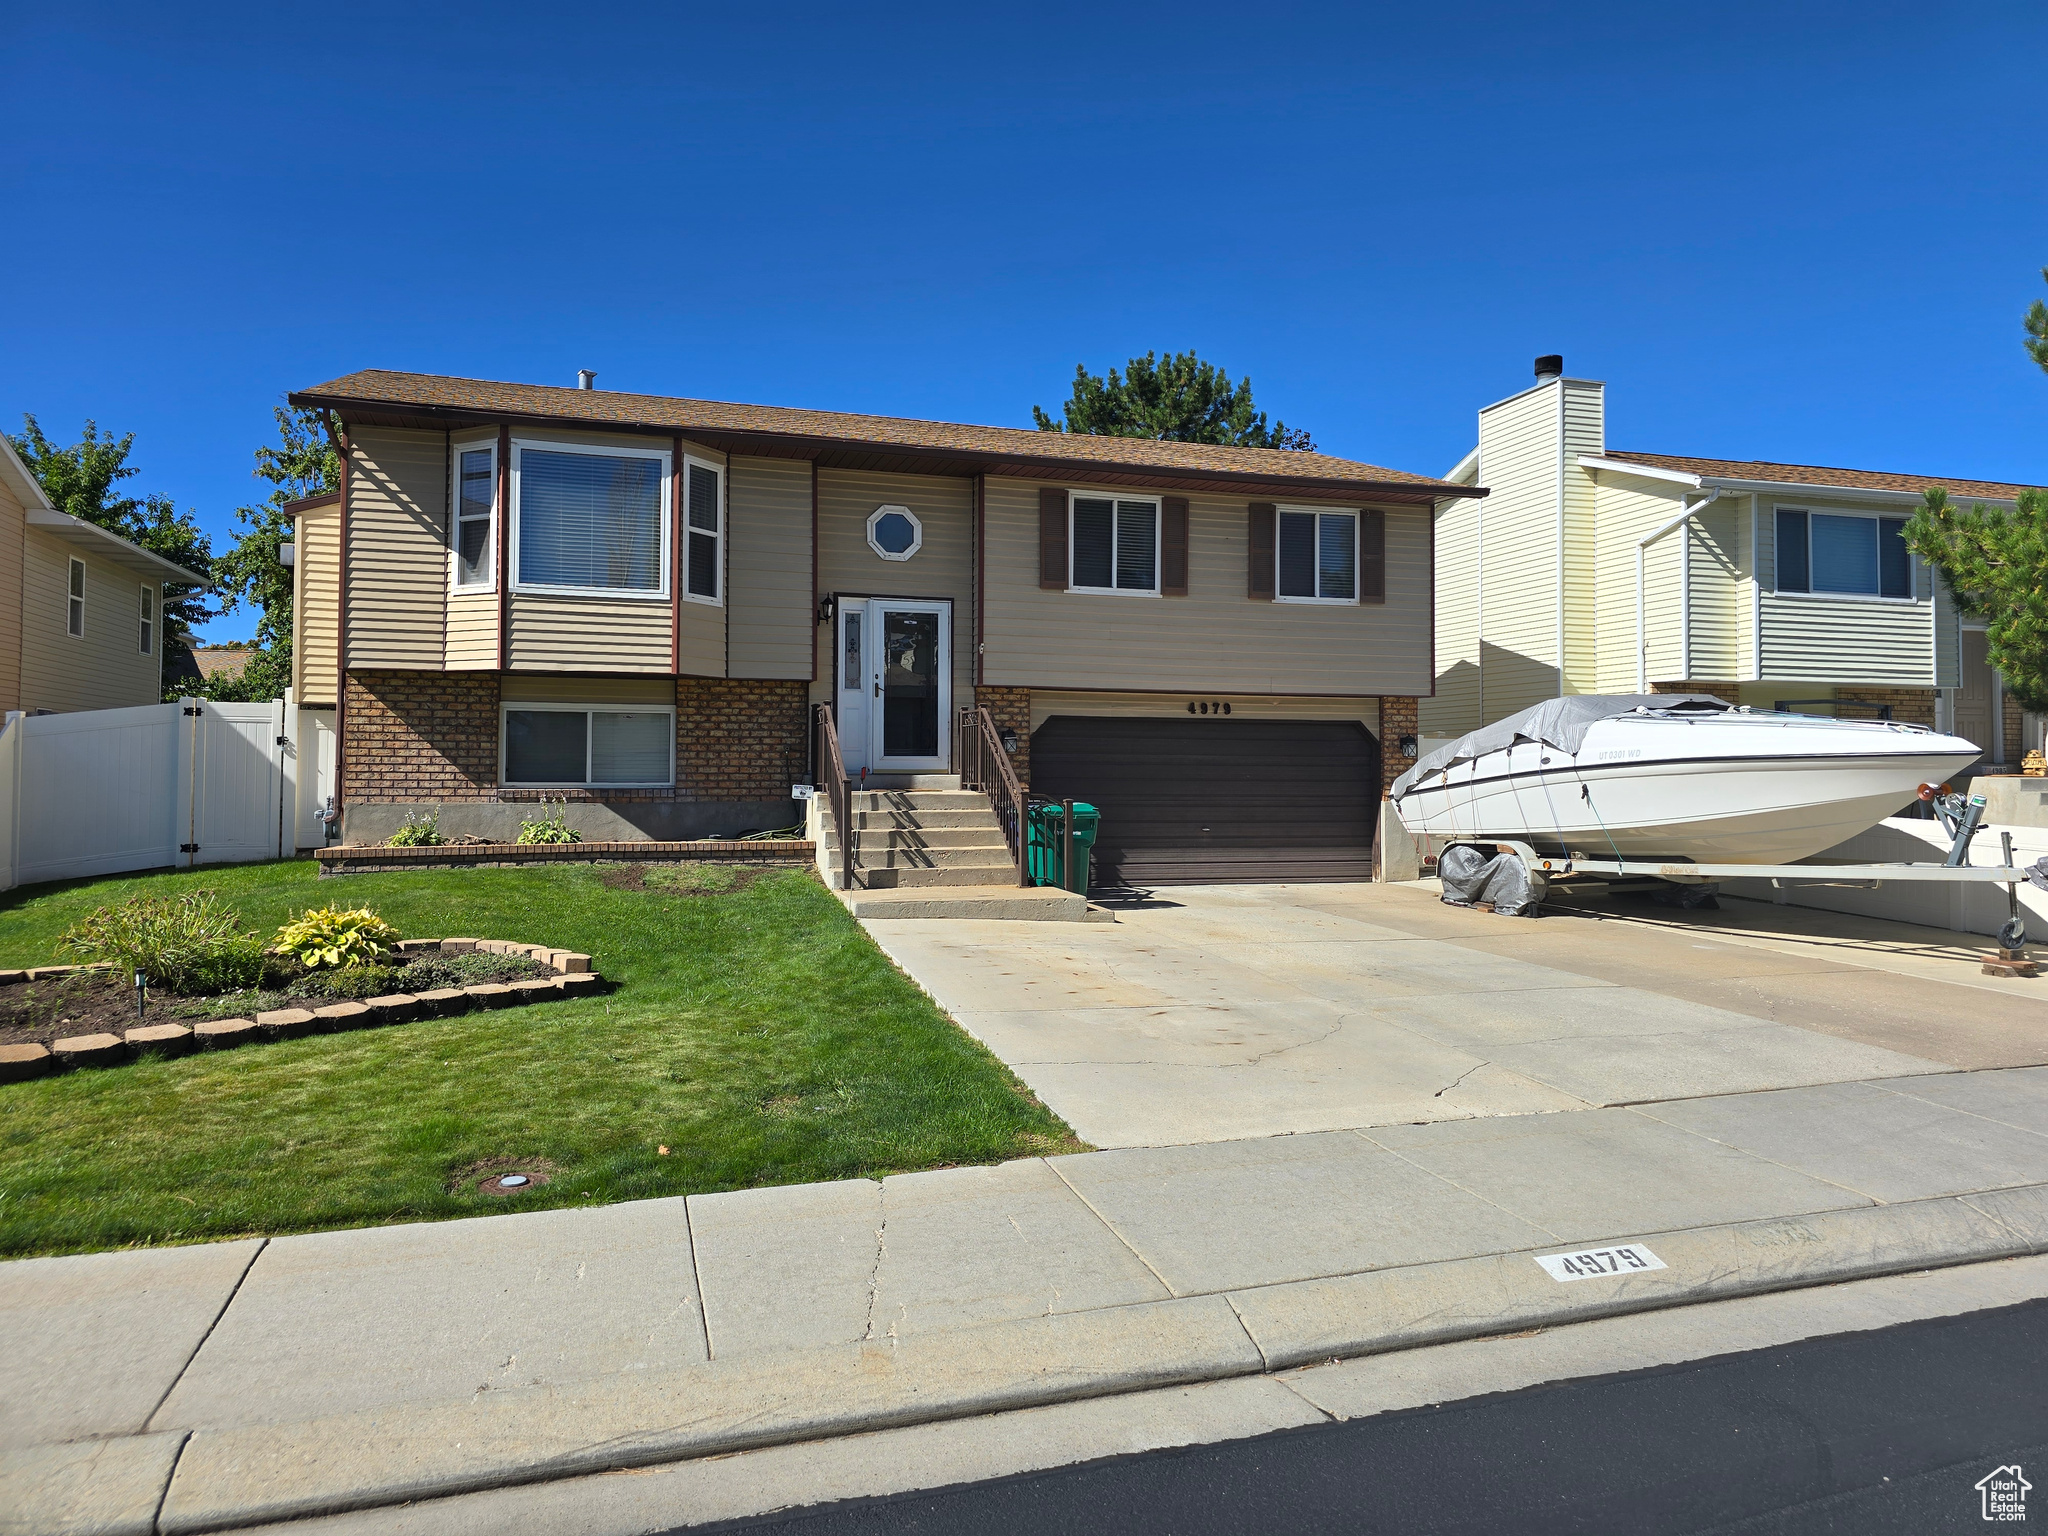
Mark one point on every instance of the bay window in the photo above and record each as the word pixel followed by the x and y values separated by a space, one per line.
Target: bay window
pixel 1115 545
pixel 549 746
pixel 590 519
pixel 476 501
pixel 1845 554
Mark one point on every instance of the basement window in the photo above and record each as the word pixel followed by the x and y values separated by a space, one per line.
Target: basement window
pixel 561 746
pixel 590 520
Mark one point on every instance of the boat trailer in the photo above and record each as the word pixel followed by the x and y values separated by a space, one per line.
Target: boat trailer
pixel 1959 817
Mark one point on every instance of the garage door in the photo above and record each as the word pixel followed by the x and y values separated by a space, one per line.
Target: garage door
pixel 1209 801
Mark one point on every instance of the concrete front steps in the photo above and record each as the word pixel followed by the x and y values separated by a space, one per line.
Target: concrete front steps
pixel 933 850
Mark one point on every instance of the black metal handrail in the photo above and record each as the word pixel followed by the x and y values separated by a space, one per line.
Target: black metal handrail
pixel 985 766
pixel 832 769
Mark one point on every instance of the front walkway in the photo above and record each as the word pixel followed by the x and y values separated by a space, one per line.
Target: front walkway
pixel 1220 1012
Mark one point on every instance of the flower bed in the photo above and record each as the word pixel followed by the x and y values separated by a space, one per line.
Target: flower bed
pixel 368 858
pixel 52 1025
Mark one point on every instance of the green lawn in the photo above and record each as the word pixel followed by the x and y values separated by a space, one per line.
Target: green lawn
pixel 756 1033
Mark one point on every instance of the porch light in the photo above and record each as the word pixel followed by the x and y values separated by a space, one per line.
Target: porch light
pixel 1408 745
pixel 1009 739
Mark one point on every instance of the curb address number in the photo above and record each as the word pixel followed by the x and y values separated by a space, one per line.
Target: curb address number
pixel 1591 1263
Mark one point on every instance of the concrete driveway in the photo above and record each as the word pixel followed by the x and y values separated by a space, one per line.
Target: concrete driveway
pixel 1220 1012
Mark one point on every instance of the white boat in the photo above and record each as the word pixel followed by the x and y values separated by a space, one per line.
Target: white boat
pixel 1670 777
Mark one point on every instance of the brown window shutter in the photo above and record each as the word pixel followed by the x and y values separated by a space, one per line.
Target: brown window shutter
pixel 1052 538
pixel 1173 547
pixel 1372 557
pixel 1258 580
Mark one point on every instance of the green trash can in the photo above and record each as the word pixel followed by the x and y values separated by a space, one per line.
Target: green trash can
pixel 1046 847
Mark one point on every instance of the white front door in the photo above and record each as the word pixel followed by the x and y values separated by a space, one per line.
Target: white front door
pixel 895 684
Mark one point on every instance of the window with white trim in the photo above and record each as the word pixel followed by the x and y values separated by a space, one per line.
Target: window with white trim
pixel 148 616
pixel 704 556
pixel 592 520
pixel 1316 557
pixel 74 607
pixel 1843 554
pixel 1113 545
pixel 475 495
pixel 557 746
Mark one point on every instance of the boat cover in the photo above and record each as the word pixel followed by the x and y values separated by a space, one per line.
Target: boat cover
pixel 1499 879
pixel 1560 723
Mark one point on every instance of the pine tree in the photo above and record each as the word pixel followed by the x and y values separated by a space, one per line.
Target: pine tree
pixel 1182 400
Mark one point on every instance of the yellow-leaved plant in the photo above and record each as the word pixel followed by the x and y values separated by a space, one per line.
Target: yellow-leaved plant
pixel 332 936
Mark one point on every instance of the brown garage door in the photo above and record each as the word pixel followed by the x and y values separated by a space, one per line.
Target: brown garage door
pixel 1208 801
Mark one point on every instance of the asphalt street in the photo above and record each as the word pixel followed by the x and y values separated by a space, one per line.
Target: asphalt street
pixel 1879 1431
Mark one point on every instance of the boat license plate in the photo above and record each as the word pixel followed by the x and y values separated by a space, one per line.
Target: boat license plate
pixel 1596 1263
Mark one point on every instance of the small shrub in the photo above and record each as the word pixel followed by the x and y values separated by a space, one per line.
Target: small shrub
pixel 192 944
pixel 431 971
pixel 418 830
pixel 332 937
pixel 349 983
pixel 549 829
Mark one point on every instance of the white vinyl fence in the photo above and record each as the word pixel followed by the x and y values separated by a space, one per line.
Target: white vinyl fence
pixel 104 790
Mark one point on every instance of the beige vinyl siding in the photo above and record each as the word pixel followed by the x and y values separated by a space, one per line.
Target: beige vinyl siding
pixel 1585 428
pixel 549 632
pixel 1844 640
pixel 771 621
pixel 1628 509
pixel 1718 585
pixel 943 567
pixel 1214 641
pixel 1518 464
pixel 397 555
pixel 1456 707
pixel 1047 702
pixel 472 630
pixel 13 553
pixel 1827 639
pixel 316 647
pixel 103 669
pixel 532 689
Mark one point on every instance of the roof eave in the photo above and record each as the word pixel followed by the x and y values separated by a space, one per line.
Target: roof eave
pixel 1024 466
pixel 92 536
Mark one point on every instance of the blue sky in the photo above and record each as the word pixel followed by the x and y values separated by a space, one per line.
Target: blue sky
pixel 1795 232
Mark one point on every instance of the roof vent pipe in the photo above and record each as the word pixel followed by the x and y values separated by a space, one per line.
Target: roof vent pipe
pixel 1549 366
pixel 586 378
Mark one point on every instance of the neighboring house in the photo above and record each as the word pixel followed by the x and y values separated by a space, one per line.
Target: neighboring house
pixel 81 609
pixel 634 602
pixel 222 663
pixel 1595 570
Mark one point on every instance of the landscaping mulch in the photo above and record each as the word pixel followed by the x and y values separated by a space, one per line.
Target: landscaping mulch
pixel 90 1003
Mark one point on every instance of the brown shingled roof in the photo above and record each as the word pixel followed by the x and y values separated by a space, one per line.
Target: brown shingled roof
pixel 1820 474
pixel 423 399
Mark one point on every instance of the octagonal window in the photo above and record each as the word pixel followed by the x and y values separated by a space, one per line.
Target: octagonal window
pixel 894 533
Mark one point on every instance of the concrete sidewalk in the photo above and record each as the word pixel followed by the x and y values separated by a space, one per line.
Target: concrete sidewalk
pixel 211 1387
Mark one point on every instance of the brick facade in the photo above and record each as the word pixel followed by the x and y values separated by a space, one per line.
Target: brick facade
pixel 414 737
pixel 740 740
pixel 1729 693
pixel 1911 706
pixel 1398 718
pixel 1010 709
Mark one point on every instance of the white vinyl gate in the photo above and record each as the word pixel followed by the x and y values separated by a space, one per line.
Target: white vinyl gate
pixel 105 790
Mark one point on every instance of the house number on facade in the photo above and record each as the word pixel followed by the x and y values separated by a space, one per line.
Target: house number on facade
pixel 1206 708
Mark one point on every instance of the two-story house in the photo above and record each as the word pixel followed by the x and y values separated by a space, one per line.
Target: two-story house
pixel 81 609
pixel 636 603
pixel 1598 570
